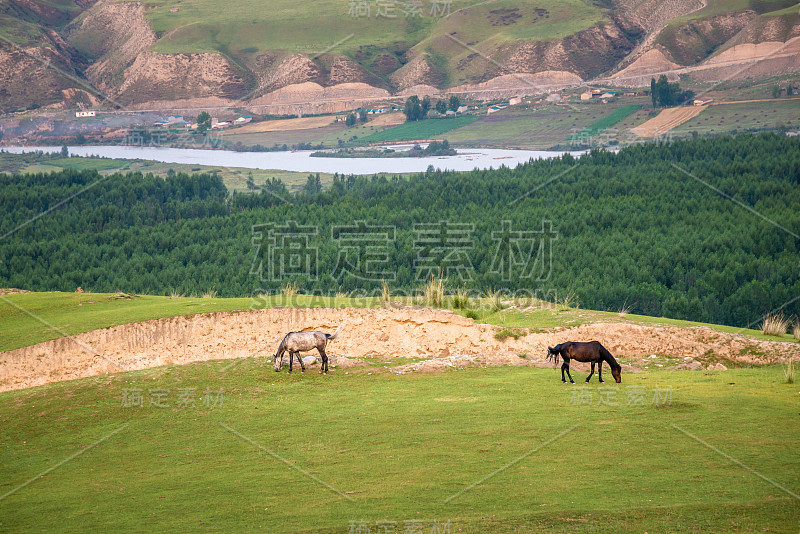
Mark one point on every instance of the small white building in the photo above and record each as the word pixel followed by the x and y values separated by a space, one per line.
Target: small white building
pixel 84 113
pixel 586 96
pixel 495 109
pixel 702 101
pixel 243 120
pixel 515 101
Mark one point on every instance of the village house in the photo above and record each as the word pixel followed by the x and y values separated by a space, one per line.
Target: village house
pixel 496 108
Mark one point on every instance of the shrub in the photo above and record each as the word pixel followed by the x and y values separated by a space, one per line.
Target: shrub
pixel 385 291
pixel 788 372
pixel 774 325
pixel 433 292
pixel 495 299
pixel 506 333
pixel 289 289
pixel 461 299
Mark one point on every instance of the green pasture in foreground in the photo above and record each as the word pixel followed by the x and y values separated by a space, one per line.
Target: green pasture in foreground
pixel 509 449
pixel 30 318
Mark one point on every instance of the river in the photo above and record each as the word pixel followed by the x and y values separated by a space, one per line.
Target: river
pixel 301 161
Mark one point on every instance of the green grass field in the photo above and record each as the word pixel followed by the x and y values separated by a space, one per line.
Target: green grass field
pixel 215 447
pixel 426 129
pixel 483 450
pixel 606 122
pixel 244 28
pixel 540 127
pixel 291 137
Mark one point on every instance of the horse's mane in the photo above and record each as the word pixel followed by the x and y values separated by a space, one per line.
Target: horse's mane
pixel 609 358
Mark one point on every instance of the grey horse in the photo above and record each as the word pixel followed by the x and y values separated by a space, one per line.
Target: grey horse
pixel 296 342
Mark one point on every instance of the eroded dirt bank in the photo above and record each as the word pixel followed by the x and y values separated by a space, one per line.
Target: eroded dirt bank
pixel 434 339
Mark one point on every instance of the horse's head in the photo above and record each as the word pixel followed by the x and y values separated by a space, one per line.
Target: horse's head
pixel 552 353
pixel 616 372
pixel 278 361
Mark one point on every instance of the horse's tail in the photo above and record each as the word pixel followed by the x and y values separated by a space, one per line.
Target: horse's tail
pixel 332 337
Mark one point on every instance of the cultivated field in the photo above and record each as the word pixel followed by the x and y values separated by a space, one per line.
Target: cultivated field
pixel 472 445
pixel 725 118
pixel 543 126
pixel 425 129
pixel 667 120
pixel 283 125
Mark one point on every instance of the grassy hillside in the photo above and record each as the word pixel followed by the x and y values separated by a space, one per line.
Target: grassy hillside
pixel 246 27
pixel 693 37
pixel 219 449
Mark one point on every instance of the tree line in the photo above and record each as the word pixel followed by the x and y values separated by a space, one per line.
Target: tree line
pixel 661 229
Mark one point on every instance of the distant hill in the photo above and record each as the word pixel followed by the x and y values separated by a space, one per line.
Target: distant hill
pixel 203 52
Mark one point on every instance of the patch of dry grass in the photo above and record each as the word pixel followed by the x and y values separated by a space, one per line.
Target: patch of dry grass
pixel 774 325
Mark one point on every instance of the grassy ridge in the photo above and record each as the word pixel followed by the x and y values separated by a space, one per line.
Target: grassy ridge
pixel 246 27
pixel 51 315
pixel 398 448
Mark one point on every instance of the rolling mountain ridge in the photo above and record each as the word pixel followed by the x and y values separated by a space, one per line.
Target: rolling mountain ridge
pixel 282 54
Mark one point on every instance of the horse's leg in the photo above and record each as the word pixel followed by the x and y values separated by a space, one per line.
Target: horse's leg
pixel 563 366
pixel 323 368
pixel 571 381
pixel 291 360
pixel 590 374
pixel 600 371
pixel 302 365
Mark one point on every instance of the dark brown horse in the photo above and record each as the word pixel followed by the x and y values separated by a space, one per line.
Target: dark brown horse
pixel 592 352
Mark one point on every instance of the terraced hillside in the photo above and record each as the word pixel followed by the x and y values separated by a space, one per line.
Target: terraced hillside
pixel 329 54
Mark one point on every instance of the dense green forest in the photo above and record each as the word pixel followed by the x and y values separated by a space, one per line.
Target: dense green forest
pixel 628 229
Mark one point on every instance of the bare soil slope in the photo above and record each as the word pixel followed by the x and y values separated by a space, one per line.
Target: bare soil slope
pixel 435 339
